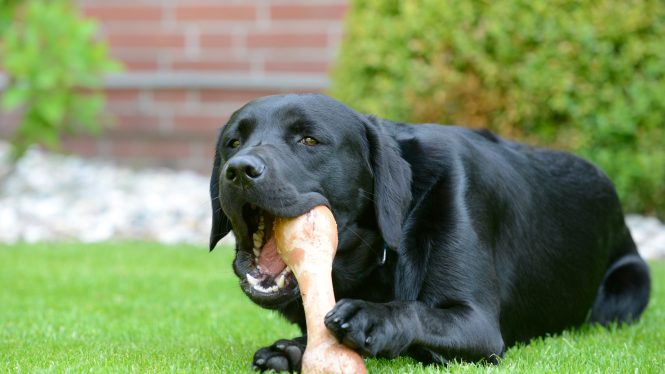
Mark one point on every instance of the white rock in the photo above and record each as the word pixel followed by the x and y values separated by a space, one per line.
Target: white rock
pixel 654 247
pixel 51 197
pixel 9 231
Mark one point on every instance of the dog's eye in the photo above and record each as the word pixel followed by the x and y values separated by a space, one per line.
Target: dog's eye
pixel 234 143
pixel 308 140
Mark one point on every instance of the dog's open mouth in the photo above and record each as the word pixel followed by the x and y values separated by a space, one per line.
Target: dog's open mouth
pixel 268 274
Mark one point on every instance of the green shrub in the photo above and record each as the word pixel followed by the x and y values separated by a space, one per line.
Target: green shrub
pixel 54 66
pixel 588 77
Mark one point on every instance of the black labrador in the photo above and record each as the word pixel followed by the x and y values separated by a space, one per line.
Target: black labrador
pixel 453 243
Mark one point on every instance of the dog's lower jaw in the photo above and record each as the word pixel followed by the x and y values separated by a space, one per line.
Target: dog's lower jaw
pixel 269 296
pixel 270 301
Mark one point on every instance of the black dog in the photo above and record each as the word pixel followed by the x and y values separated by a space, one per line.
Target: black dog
pixel 453 243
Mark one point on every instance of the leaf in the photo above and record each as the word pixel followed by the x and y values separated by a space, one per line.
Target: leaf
pixel 50 53
pixel 13 97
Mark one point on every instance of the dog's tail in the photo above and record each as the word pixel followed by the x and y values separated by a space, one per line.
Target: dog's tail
pixel 624 293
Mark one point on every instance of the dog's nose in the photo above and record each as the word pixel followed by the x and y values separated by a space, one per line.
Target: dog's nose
pixel 244 169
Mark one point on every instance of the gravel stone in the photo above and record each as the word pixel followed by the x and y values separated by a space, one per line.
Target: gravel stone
pixel 57 198
pixel 52 197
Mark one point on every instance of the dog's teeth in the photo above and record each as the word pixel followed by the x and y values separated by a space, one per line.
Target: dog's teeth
pixel 280 280
pixel 262 223
pixel 252 281
pixel 271 289
pixel 257 252
pixel 257 237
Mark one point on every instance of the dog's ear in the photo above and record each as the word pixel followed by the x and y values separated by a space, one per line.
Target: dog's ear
pixel 392 182
pixel 220 223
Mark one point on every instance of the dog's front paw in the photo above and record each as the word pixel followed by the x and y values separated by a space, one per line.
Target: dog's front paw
pixel 369 328
pixel 283 355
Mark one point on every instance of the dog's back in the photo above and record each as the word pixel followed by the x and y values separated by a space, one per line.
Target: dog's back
pixel 551 221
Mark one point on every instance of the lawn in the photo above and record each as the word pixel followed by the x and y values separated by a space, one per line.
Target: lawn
pixel 141 307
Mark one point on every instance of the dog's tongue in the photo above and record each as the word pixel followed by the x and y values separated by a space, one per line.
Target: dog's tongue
pixel 269 259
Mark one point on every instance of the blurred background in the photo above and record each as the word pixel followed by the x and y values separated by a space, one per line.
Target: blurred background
pixel 188 64
pixel 135 91
pixel 143 84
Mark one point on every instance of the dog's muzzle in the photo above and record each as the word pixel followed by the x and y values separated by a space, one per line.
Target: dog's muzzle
pixel 244 170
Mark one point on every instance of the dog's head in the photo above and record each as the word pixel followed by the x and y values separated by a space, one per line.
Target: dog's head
pixel 280 156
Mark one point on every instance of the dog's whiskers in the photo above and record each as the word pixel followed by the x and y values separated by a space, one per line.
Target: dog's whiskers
pixel 359 237
pixel 366 195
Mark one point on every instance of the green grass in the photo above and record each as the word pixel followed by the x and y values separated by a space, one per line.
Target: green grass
pixel 137 307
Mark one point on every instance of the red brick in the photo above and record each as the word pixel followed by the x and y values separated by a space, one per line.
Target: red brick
pixel 216 40
pixel 216 12
pixel 293 54
pixel 219 96
pixel 153 148
pixel 307 12
pixel 81 145
pixel 170 96
pixel 292 40
pixel 140 65
pixel 123 13
pixel 297 66
pixel 140 136
pixel 9 121
pixel 121 95
pixel 208 150
pixel 120 107
pixel 135 58
pixel 136 122
pixel 139 40
pixel 198 124
pixel 210 64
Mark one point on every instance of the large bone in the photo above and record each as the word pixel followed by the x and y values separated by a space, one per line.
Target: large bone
pixel 307 244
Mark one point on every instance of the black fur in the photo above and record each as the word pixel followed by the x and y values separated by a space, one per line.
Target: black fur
pixel 489 242
pixel 220 224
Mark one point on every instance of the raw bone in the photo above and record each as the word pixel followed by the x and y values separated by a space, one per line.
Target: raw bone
pixel 307 245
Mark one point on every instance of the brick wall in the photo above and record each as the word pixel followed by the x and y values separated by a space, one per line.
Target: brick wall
pixel 191 63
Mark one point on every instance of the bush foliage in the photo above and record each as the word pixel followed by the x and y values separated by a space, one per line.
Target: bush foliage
pixel 54 66
pixel 587 77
